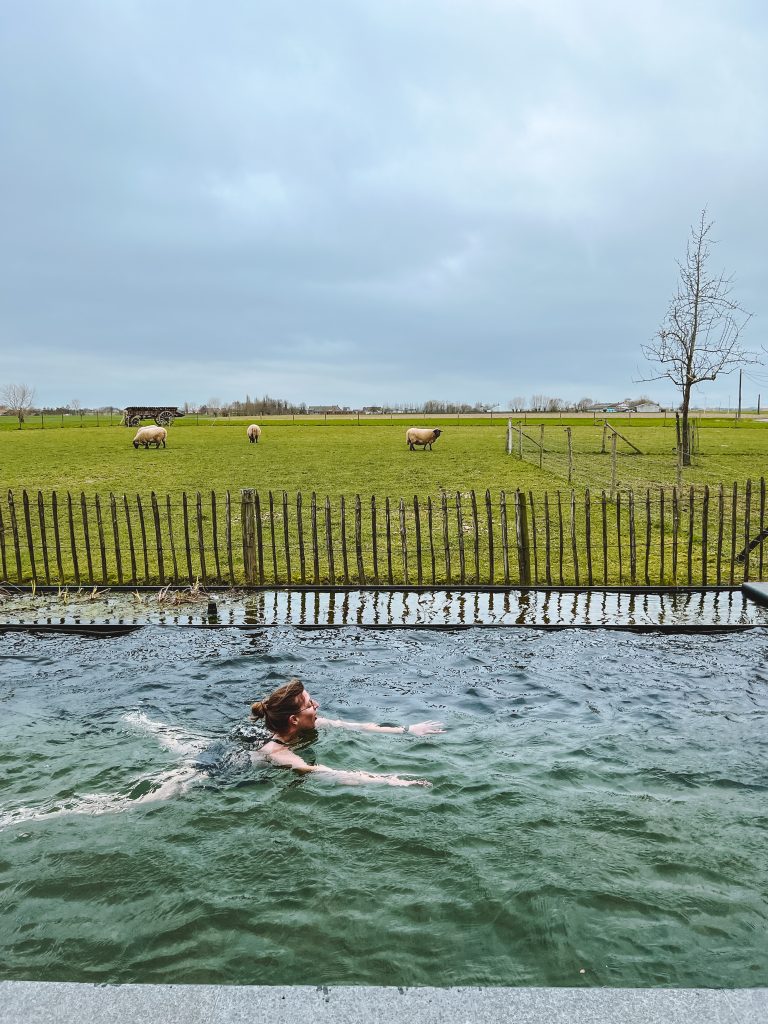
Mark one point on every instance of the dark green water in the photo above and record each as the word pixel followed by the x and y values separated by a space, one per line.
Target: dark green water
pixel 599 802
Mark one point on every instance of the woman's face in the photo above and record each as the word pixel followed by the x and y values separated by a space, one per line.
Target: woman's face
pixel 306 715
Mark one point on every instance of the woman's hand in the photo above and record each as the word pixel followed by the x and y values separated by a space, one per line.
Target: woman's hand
pixel 425 728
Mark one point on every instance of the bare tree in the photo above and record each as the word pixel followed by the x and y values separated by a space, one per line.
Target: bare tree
pixel 583 404
pixel 18 398
pixel 699 338
pixel 517 404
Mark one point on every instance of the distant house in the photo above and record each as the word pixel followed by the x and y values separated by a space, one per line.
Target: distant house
pixel 323 409
pixel 624 406
pixel 372 410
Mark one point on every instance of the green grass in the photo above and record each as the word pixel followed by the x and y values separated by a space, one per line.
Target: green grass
pixel 338 460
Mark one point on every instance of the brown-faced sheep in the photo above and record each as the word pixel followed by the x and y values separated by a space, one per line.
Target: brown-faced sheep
pixel 254 433
pixel 424 436
pixel 150 435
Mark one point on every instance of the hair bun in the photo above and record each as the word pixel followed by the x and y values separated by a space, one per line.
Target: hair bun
pixel 258 709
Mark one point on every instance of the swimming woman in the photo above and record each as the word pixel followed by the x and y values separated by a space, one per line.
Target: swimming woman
pixel 290 712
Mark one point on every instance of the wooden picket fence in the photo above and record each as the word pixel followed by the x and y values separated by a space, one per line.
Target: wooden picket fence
pixel 658 537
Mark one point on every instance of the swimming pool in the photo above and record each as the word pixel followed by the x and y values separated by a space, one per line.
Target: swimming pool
pixel 598 805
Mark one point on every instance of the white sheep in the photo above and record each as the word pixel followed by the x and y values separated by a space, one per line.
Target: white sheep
pixel 254 433
pixel 421 435
pixel 150 435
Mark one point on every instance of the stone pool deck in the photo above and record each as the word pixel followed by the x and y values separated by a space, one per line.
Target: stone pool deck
pixel 23 1002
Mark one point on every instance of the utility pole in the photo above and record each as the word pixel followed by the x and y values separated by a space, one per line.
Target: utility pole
pixel 738 415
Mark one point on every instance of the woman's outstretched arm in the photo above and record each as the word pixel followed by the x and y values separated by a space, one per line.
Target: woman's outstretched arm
pixel 287 759
pixel 428 728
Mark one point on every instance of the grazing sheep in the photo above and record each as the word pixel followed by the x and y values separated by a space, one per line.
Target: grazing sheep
pixel 421 435
pixel 254 433
pixel 150 435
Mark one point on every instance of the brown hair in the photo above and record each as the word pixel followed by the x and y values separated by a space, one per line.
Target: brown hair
pixel 278 707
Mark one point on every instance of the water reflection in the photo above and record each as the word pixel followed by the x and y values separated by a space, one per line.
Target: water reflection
pixel 436 608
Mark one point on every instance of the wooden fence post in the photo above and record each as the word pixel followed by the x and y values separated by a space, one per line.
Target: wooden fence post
pixel 249 535
pixel 417 523
pixel 43 535
pixel 460 533
pixel 359 539
pixel 509 437
pixel 523 539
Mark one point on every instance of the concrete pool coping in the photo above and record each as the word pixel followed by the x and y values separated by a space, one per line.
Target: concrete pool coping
pixel 26 1002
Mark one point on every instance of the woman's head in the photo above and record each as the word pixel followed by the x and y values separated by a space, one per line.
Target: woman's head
pixel 289 709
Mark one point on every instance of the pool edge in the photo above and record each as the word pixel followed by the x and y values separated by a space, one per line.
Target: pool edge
pixel 26 1002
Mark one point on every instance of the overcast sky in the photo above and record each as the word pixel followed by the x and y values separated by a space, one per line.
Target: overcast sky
pixel 367 201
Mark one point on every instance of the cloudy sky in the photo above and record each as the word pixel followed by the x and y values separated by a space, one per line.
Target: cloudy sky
pixel 367 201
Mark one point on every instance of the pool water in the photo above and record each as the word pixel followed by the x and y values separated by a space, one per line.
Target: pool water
pixel 598 805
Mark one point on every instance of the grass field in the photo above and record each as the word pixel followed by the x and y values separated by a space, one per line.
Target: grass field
pixel 372 459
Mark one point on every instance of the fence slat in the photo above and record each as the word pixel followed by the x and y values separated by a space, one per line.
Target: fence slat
pixel 2 546
pixel 300 531
pixel 431 540
pixel 489 520
pixel 329 542
pixel 403 540
pixel 747 513
pixel 313 537
pixel 159 535
pixel 228 536
pixel 344 556
pixel 604 510
pixel 675 530
pixel 574 548
pixel 460 535
pixel 648 536
pixel 374 540
pixel 259 537
pixel 171 541
pixel 691 523
pixel 248 533
pixel 446 542
pixel 273 540
pixel 734 515
pixel 15 532
pixel 102 544
pixel 560 533
pixel 131 547
pixel 388 523
pixel 143 532
pixel 504 537
pixel 28 530
pixel 359 540
pixel 618 536
pixel 56 537
pixel 188 542
pixel 417 524
pixel 547 542
pixel 286 541
pixel 762 524
pixel 72 541
pixel 588 534
pixel 632 540
pixel 720 520
pixel 116 537
pixel 532 534
pixel 475 535
pixel 215 536
pixel 704 530
pixel 87 536
pixel 43 535
pixel 661 536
